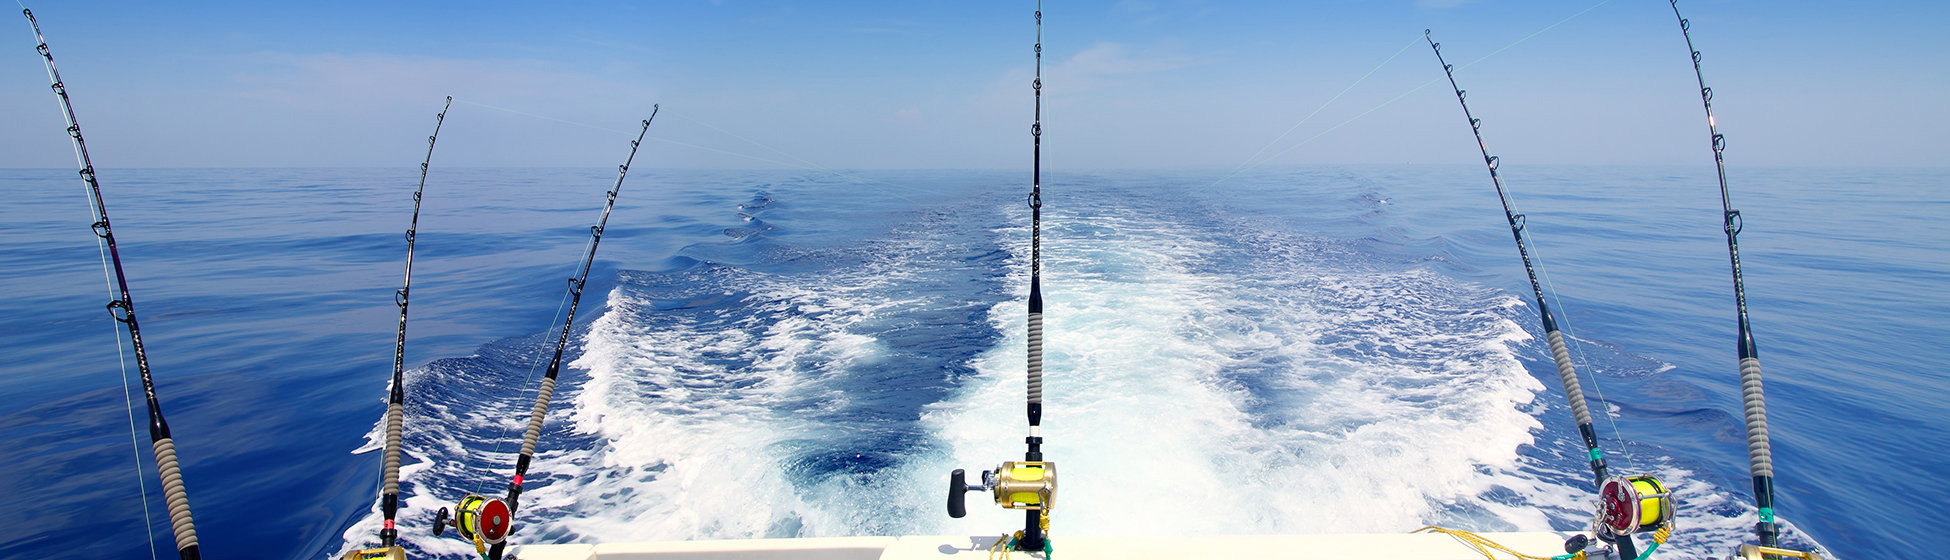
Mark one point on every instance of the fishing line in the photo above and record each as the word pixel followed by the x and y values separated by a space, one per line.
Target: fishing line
pixel 1560 354
pixel 564 121
pixel 1539 32
pixel 1350 87
pixel 814 166
pixel 1570 333
pixel 1419 88
pixel 546 340
pixel 167 467
pixel 1626 504
pixel 128 400
pixel 645 138
pixel 396 394
pixel 539 413
pixel 807 166
pixel 1760 457
pixel 532 367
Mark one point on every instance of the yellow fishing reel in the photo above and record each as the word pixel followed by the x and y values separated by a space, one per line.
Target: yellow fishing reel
pixel 1027 485
pixel 1628 505
pixel 1754 552
pixel 388 553
pixel 482 521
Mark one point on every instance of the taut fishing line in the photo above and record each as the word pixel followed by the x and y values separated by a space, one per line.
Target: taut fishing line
pixel 128 400
pixel 1760 457
pixel 175 496
pixel 1310 116
pixel 396 398
pixel 814 165
pixel 1578 344
pixel 122 364
pixel 1418 88
pixel 486 521
pixel 806 165
pixel 1626 504
pixel 533 366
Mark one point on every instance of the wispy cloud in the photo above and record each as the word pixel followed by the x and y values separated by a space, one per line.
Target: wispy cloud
pixel 1117 59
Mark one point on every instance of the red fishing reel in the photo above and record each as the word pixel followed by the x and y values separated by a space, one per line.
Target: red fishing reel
pixel 479 520
pixel 1628 505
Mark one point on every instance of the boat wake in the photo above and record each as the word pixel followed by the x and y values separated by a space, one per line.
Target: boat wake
pixel 1206 375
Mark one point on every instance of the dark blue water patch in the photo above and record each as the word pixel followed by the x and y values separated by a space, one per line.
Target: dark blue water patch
pixel 1714 423
pixel 77 458
pixel 74 459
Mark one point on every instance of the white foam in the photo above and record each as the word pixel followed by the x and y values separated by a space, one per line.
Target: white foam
pixel 1189 391
pixel 1375 427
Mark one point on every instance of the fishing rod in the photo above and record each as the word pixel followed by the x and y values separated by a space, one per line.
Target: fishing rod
pixel 159 437
pixel 1626 504
pixel 487 521
pixel 1760 460
pixel 396 399
pixel 1031 484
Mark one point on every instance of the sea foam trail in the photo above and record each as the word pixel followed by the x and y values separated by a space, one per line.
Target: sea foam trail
pixel 1204 377
pixel 727 401
pixel 1184 399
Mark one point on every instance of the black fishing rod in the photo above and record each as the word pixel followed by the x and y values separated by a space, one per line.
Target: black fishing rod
pixel 164 446
pixel 1033 530
pixel 555 363
pixel 1760 460
pixel 396 400
pixel 1620 500
pixel 1559 354
pixel 487 521
pixel 1031 484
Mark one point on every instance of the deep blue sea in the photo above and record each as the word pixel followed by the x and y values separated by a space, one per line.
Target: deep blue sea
pixel 775 354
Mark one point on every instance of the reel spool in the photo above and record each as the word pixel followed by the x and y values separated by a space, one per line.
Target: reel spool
pixel 479 520
pixel 1752 552
pixel 1628 505
pixel 388 553
pixel 1029 485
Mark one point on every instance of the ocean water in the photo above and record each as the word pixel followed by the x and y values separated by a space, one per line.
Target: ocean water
pixel 777 354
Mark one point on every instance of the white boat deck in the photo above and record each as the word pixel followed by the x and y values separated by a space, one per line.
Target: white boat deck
pixel 1378 546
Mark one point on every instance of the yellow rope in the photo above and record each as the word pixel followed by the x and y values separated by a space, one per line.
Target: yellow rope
pixel 1001 544
pixel 1484 545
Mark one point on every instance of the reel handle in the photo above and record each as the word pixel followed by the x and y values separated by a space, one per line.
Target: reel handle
pixel 1577 543
pixel 440 522
pixel 957 494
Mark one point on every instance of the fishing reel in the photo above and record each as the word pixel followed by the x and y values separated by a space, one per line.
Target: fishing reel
pixel 1755 552
pixel 1628 505
pixel 482 521
pixel 1029 485
pixel 388 553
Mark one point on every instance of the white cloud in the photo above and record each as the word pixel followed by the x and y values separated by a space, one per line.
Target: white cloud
pixel 1113 59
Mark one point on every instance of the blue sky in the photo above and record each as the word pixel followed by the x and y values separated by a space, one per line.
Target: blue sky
pixel 923 84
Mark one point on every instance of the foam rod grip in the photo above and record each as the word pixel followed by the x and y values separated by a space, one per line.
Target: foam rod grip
pixel 957 490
